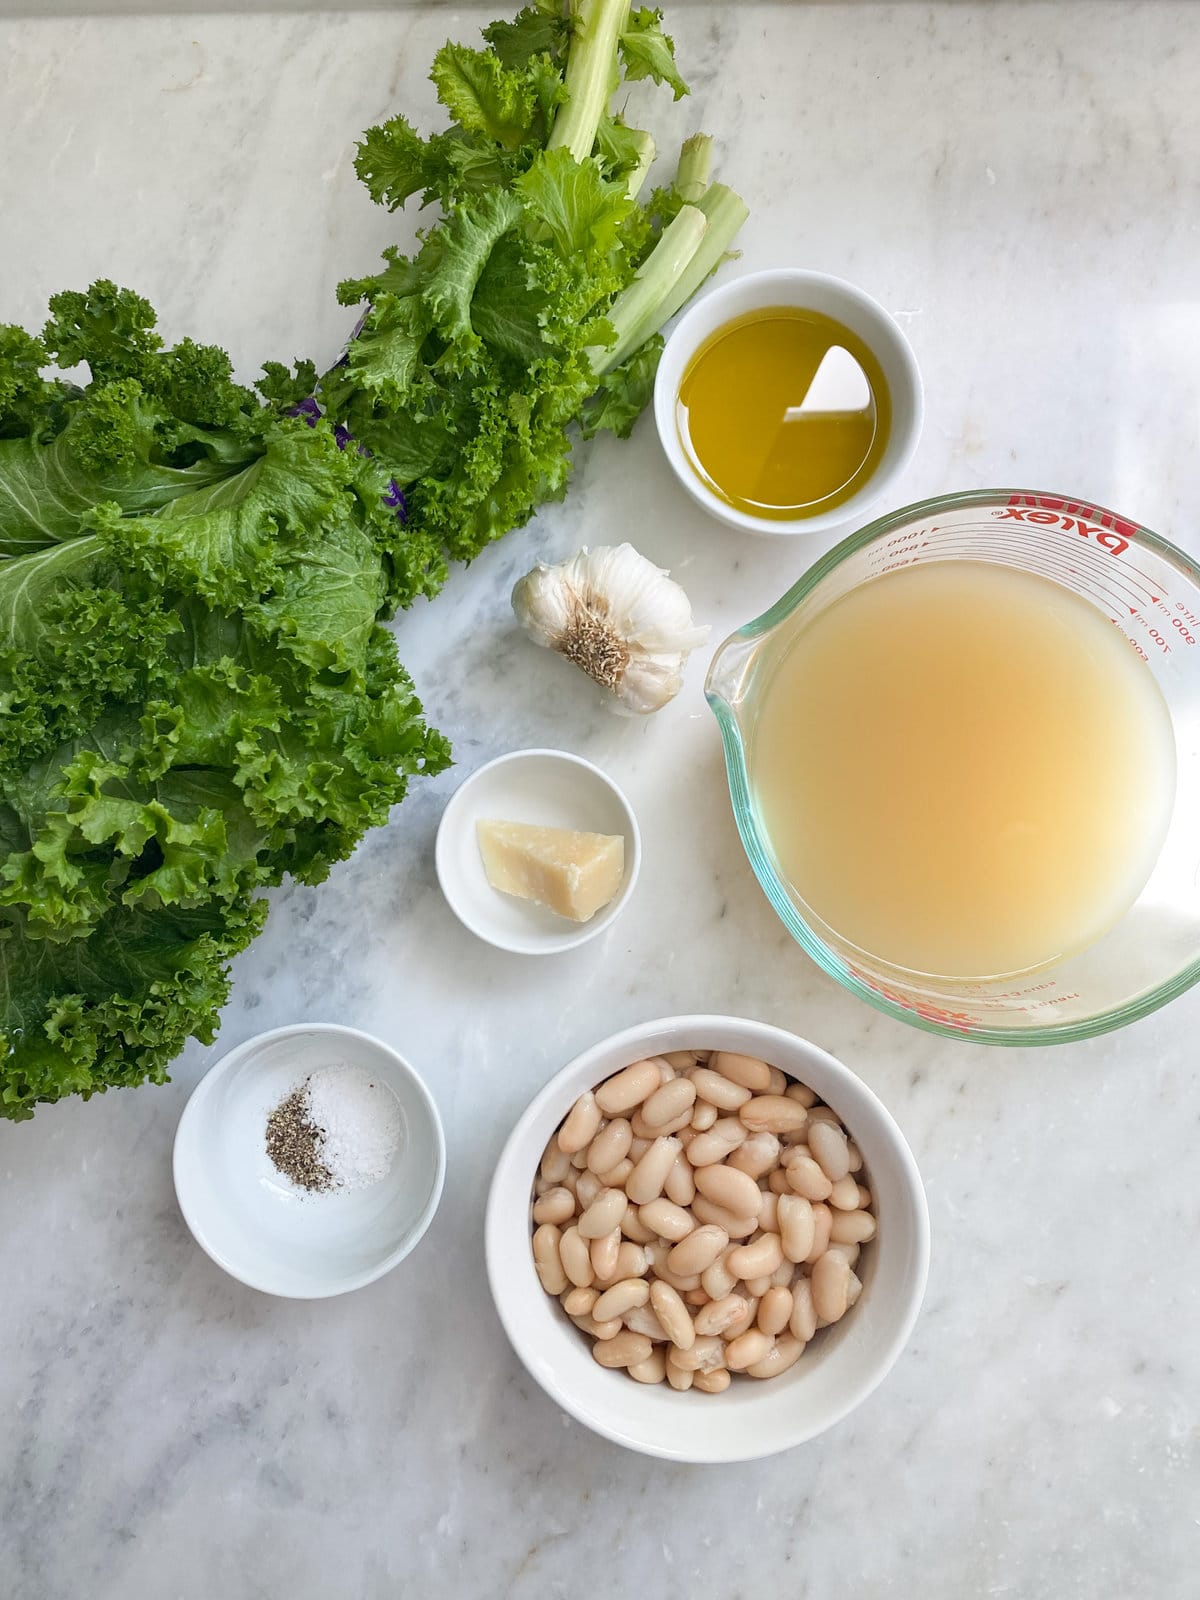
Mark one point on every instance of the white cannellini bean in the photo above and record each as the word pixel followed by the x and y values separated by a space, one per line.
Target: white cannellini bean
pixel 677 1377
pixel 828 1145
pixel 714 1382
pixel 830 1287
pixel 748 1071
pixel 579 1302
pixel 598 1330
pixel 823 1113
pixel 555 1162
pixel 704 1355
pixel 850 1251
pixel 852 1227
pixel 609 1146
pixel 673 1315
pixel 718 1090
pixel 696 1297
pixel 670 1102
pixel 616 1176
pixel 581 1124
pixel 773 1113
pixel 680 1184
pixel 747 1348
pixel 622 1297
pixel 587 1187
pixel 774 1310
pixel 758 1259
pixel 604 1214
pixel 844 1194
pixel 629 1088
pixel 855 1154
pixel 803 1320
pixel 556 1205
pixel 623 1350
pixel 642 1319
pixel 667 1220
pixel 546 1259
pixel 778 1082
pixel 822 1223
pixel 757 1155
pixel 699 1250
pixel 757 1287
pixel 682 1125
pixel 604 1254
pixel 631 1260
pixel 576 1259
pixel 784 1353
pixel 739 1325
pixel 645 1182
pixel 703 1116
pixel 681 1060
pixel 777 1182
pixel 635 1229
pixel 717 1281
pixel 782 1277
pixel 797 1228
pixel 717 1142
pixel 736 1227
pixel 853 1290
pixel 801 1092
pixel 768 1211
pixel 719 1315
pixel 807 1179
pixel 652 1370
pixel 728 1187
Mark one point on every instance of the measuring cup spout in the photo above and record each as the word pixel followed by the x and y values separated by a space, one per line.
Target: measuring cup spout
pixel 728 676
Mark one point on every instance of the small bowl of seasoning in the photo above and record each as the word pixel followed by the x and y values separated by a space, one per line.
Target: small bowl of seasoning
pixel 787 402
pixel 309 1161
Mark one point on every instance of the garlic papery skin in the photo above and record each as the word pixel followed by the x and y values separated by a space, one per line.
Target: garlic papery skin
pixel 617 617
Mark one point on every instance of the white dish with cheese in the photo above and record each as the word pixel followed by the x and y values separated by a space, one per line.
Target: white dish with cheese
pixel 538 826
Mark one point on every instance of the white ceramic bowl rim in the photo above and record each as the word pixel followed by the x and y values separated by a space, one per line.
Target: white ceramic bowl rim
pixel 194 1109
pixel 749 1421
pixel 517 926
pixel 815 291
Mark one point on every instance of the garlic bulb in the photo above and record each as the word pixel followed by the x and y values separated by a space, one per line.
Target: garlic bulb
pixel 618 617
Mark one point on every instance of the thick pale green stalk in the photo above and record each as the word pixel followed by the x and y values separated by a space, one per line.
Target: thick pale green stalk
pixel 695 167
pixel 637 175
pixel 635 313
pixel 591 75
pixel 725 212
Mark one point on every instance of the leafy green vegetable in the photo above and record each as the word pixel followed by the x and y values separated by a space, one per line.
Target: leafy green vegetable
pixel 197 695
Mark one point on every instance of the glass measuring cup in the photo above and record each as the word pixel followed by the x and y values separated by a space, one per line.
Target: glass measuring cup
pixel 1151 592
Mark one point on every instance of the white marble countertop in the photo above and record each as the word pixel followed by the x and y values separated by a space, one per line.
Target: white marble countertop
pixel 1018 182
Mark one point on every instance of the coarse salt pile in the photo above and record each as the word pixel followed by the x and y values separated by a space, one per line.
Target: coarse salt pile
pixel 343 1129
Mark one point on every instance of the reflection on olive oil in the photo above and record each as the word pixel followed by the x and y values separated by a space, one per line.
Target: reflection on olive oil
pixel 784 413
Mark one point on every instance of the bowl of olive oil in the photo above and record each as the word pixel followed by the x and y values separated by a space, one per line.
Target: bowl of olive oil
pixel 787 402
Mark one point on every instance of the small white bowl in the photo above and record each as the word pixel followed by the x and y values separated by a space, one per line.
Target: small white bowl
pixel 811 291
pixel 551 789
pixel 750 1419
pixel 257 1225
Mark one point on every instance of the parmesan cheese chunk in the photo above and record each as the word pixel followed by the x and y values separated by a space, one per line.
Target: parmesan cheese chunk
pixel 573 874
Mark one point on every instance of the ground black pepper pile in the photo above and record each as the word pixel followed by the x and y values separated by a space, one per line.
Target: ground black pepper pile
pixel 294 1142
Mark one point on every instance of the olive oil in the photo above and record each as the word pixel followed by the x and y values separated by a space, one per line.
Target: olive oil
pixel 784 413
pixel 963 769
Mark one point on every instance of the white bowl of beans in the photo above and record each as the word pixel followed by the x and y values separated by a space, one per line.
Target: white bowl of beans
pixel 707 1239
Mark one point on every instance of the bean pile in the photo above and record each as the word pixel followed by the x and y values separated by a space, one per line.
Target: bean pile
pixel 698 1215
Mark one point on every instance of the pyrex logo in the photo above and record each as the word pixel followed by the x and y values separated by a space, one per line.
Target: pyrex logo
pixel 1089 522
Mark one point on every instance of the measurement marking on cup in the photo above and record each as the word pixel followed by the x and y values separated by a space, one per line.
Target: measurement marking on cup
pixel 1094 581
